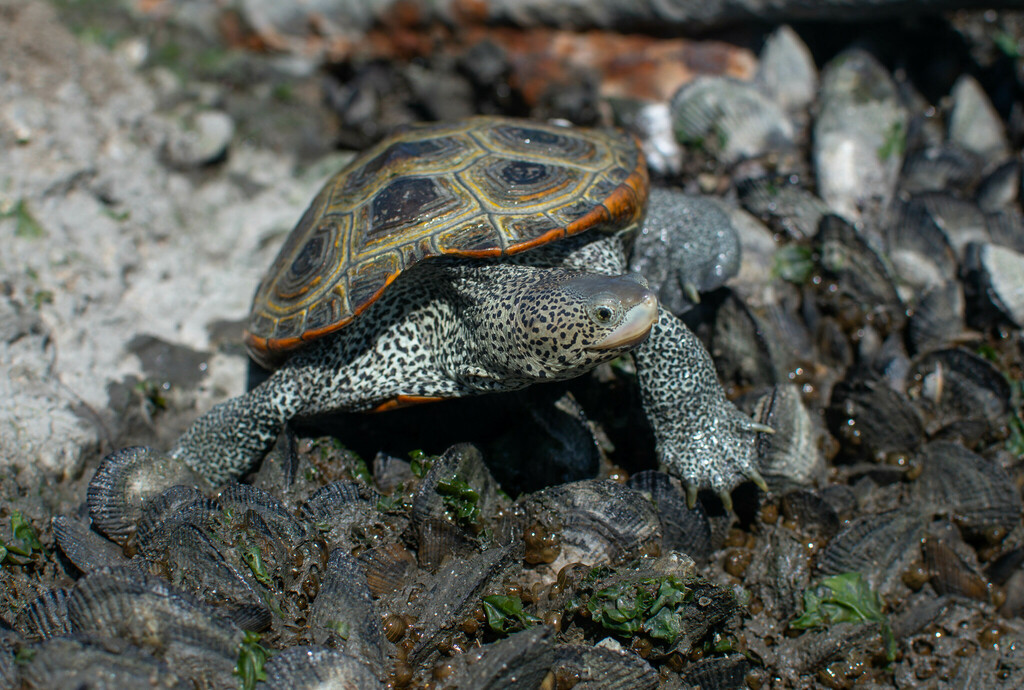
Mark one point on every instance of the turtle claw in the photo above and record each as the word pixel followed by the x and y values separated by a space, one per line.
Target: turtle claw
pixel 725 495
pixel 690 290
pixel 759 482
pixel 750 425
pixel 691 496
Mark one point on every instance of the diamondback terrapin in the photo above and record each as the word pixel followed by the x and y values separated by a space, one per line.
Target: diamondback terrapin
pixel 470 257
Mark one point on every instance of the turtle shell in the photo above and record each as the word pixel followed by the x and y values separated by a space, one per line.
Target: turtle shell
pixel 481 187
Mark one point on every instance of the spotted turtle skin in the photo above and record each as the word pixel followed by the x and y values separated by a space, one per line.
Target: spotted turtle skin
pixel 470 257
pixel 483 187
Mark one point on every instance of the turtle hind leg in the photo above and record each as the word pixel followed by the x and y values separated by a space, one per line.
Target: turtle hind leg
pixel 700 436
pixel 234 435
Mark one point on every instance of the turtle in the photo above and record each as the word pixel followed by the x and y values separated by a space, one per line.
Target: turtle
pixel 459 258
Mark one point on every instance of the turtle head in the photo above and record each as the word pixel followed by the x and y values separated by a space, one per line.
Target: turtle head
pixel 570 322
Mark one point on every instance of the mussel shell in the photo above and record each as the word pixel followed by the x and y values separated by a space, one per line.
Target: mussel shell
pixel 1003 568
pixel 338 510
pixel 243 500
pixel 330 499
pixel 70 662
pixel 9 672
pixel 85 548
pixel 994 284
pixel 883 360
pixel 974 123
pixel 197 564
pixel 252 537
pixel 863 280
pixel 940 167
pixel 919 247
pixel 842 499
pixel 345 598
pixel 455 591
pixel 758 252
pixel 465 462
pixel 1000 187
pixel 786 207
pixel 938 318
pixel 729 118
pixel 961 220
pixel 810 513
pixel 743 347
pixel 977 493
pixel 789 322
pixel 317 668
pixel 708 609
pixel 439 540
pixel 176 506
pixel 786 71
pixel 815 649
pixel 1007 572
pixel 833 347
pixel 386 567
pixel 682 529
pixel 389 472
pixel 873 419
pixel 923 609
pixel 780 572
pixel 955 386
pixel 149 612
pixel 875 546
pixel 521 660
pixel 46 616
pixel 600 668
pixel 124 481
pixel 439 533
pixel 949 573
pixel 1006 228
pixel 598 521
pixel 167 504
pixel 718 672
pixel 792 455
pixel 859 116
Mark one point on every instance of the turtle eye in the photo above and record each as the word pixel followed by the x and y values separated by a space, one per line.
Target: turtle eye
pixel 604 311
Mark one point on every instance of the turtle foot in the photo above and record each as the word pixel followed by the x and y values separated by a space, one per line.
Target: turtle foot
pixel 719 455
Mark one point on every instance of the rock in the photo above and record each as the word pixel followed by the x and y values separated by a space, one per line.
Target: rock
pixel 200 139
pixel 102 243
pixel 41 428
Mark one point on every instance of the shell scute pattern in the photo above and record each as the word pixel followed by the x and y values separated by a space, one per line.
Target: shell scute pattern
pixel 427 155
pixel 483 187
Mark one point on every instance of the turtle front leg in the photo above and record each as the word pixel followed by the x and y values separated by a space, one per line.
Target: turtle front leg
pixel 235 435
pixel 700 436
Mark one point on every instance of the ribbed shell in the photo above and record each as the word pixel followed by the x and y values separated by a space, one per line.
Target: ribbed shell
pixel 481 187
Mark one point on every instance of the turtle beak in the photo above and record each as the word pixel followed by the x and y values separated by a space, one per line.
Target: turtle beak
pixel 642 312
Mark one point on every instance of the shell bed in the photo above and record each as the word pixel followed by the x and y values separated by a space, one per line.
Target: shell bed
pixel 477 256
